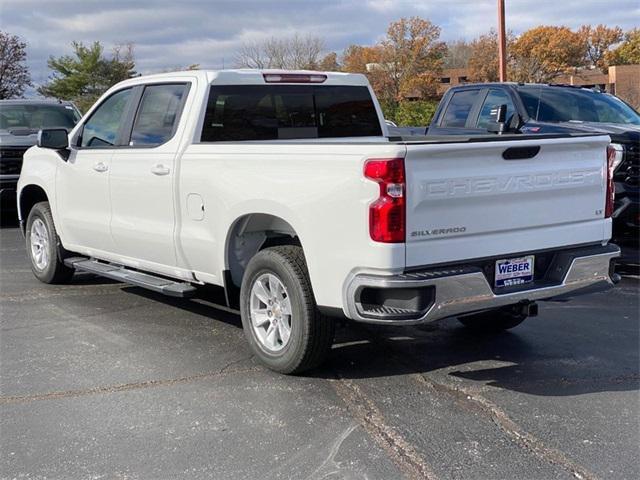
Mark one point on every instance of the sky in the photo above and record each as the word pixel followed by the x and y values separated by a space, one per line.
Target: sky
pixel 172 34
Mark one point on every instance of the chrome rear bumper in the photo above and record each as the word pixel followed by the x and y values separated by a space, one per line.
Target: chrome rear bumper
pixel 448 292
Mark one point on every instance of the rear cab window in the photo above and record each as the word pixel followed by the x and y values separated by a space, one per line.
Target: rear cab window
pixel 459 108
pixel 488 113
pixel 548 105
pixel 285 112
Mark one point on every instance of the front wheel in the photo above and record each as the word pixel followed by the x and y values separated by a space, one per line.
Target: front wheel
pixel 43 246
pixel 281 320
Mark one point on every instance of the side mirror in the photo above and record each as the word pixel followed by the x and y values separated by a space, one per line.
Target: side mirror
pixel 499 126
pixel 53 138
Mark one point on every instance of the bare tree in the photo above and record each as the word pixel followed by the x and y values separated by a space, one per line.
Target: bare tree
pixel 14 74
pixel 459 52
pixel 276 52
pixel 290 53
pixel 305 52
pixel 251 55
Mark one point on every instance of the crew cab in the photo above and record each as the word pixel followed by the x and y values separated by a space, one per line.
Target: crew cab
pixel 547 108
pixel 284 191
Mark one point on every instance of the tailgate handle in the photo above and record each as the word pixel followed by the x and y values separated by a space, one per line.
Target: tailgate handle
pixel 520 153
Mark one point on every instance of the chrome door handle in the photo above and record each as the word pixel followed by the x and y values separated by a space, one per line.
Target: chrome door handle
pixel 100 167
pixel 160 169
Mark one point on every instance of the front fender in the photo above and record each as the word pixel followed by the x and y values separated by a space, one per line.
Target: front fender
pixel 39 168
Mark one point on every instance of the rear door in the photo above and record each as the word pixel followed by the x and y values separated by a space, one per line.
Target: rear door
pixel 142 177
pixel 497 197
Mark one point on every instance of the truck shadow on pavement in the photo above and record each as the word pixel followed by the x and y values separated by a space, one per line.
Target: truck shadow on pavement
pixel 8 219
pixel 208 305
pixel 569 350
pixel 629 262
pixel 529 359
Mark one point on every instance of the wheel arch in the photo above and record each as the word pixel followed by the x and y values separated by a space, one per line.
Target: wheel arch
pixel 250 233
pixel 30 195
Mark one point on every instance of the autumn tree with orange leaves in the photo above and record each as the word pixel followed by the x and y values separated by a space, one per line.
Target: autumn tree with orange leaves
pixel 356 58
pixel 407 61
pixel 412 57
pixel 628 52
pixel 483 63
pixel 542 53
pixel 597 42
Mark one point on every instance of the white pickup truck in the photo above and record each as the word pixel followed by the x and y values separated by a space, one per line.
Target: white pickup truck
pixel 283 189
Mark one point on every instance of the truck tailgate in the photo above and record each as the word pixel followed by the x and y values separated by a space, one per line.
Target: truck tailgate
pixel 466 200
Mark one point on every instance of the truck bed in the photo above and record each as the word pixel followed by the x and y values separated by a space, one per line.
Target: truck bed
pixel 490 137
pixel 500 195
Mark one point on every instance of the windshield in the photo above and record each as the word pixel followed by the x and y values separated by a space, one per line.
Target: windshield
pixel 35 117
pixel 557 104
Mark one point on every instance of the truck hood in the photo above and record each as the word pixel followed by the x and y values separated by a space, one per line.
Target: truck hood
pixel 18 137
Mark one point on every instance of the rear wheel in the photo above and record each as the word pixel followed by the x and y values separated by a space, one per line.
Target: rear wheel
pixel 43 246
pixel 281 320
pixel 493 321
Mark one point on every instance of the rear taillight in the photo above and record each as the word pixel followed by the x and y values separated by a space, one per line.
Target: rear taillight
pixel 611 187
pixel 387 213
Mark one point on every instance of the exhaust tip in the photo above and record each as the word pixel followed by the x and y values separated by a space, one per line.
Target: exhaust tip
pixel 526 308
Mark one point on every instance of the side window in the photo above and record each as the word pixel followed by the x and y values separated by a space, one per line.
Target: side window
pixel 489 110
pixel 101 130
pixel 459 108
pixel 531 102
pixel 158 114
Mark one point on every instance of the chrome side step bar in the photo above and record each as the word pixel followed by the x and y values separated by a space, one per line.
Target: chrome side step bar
pixel 158 284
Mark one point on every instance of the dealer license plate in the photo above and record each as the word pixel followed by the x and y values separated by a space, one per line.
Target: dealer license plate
pixel 514 271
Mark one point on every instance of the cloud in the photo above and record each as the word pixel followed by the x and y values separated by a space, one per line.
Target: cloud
pixel 170 34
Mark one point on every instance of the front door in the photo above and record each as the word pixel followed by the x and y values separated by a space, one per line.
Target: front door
pixel 142 180
pixel 82 183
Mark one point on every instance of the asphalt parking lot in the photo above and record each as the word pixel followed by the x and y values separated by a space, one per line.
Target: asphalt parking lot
pixel 100 380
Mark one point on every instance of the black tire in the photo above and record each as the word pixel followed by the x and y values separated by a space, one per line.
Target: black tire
pixel 311 332
pixel 55 270
pixel 493 321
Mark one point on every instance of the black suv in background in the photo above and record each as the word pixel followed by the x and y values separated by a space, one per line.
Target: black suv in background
pixel 471 109
pixel 20 121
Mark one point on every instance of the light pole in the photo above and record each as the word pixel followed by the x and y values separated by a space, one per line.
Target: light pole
pixel 502 43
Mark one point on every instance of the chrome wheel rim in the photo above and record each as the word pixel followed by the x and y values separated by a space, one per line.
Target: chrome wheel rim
pixel 270 308
pixel 39 237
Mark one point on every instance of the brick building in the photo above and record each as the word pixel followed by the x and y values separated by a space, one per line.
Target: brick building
pixel 621 80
